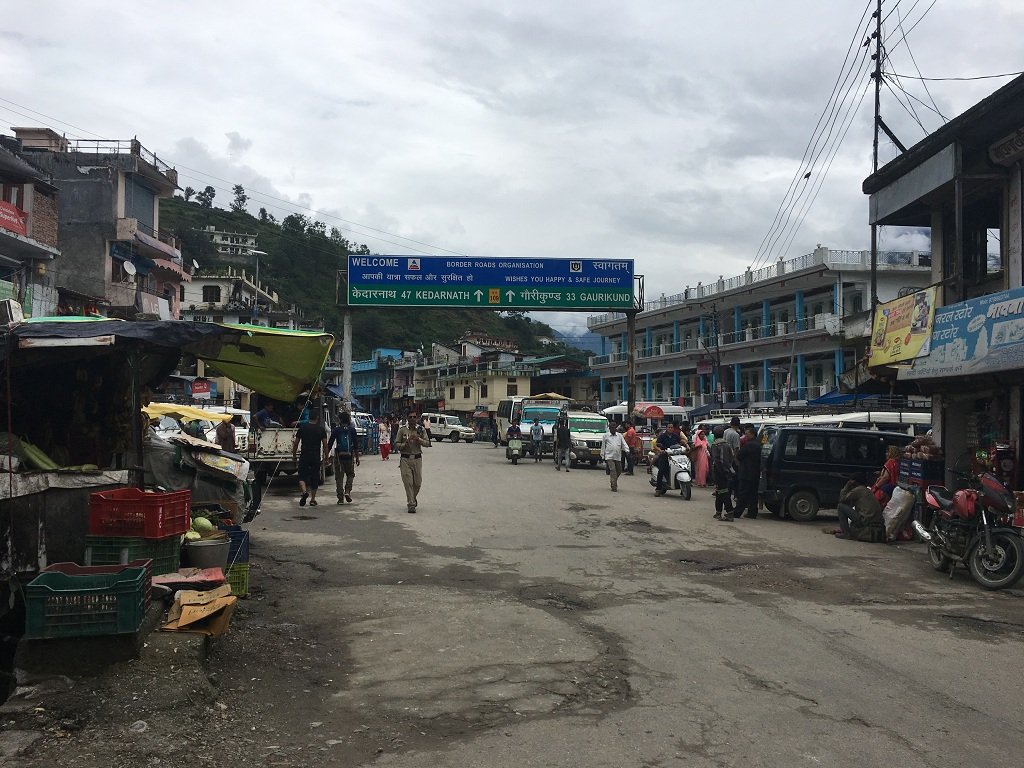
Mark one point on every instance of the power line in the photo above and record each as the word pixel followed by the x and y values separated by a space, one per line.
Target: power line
pixel 908 94
pixel 918 69
pixel 812 140
pixel 947 79
pixel 851 116
pixel 908 107
pixel 824 150
pixel 914 26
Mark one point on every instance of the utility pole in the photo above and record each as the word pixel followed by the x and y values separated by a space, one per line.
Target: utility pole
pixel 346 358
pixel 877 75
pixel 630 362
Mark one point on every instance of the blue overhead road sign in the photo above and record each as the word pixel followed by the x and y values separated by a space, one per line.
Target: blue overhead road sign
pixel 490 283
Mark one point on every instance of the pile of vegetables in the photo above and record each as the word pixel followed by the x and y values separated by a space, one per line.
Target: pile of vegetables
pixel 35 457
pixel 204 526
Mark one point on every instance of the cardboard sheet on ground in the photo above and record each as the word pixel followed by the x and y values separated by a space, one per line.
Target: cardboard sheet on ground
pixel 205 613
pixel 194 578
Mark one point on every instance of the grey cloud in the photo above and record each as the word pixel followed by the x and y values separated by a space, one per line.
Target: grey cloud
pixel 236 144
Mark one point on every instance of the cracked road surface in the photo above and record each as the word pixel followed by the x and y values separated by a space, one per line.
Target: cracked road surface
pixel 530 618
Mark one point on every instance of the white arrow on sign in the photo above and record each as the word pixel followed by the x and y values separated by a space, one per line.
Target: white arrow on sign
pixel 479 294
pixel 510 294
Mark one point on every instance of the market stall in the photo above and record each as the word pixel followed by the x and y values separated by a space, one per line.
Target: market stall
pixel 73 392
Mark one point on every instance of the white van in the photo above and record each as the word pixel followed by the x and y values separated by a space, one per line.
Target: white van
pixel 444 425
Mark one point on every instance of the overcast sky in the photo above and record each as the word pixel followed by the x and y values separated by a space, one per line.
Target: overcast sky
pixel 666 131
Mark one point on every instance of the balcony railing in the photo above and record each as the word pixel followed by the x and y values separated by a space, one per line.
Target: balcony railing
pixel 817 324
pixel 122 147
pixel 820 257
pixel 165 237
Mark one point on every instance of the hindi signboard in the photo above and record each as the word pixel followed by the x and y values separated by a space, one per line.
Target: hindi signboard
pixel 983 335
pixel 489 283
pixel 902 328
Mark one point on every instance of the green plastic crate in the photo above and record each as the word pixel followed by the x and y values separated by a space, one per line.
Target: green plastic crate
pixel 238 578
pixel 61 605
pixel 115 550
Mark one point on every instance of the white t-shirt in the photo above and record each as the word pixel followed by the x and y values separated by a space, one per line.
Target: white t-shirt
pixel 612 446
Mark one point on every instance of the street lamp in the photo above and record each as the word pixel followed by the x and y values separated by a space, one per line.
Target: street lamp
pixel 256 298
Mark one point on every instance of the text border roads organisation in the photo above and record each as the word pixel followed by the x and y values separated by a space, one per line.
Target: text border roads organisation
pixel 489 283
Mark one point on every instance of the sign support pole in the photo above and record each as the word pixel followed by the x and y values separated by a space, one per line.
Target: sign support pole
pixel 346 358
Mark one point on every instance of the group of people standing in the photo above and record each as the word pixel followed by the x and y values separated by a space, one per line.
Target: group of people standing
pixel 728 458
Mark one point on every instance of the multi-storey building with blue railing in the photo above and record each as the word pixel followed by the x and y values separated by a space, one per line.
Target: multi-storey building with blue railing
pixel 737 340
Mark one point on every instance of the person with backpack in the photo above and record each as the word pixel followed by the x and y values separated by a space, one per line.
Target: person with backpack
pixel 345 441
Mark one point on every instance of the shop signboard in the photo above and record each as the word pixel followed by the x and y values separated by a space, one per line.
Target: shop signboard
pixel 983 335
pixel 201 389
pixel 902 328
pixel 488 283
pixel 13 219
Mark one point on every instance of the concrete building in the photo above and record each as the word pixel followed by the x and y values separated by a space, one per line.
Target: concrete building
pixel 733 341
pixel 965 183
pixel 28 232
pixel 114 256
pixel 230 295
pixel 230 244
pixel 371 379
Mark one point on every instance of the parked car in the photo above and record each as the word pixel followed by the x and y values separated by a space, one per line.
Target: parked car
pixel 803 469
pixel 445 425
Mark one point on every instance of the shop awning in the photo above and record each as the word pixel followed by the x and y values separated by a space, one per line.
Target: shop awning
pixel 277 363
pixel 183 412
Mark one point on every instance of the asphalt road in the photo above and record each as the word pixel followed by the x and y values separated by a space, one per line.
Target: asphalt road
pixel 525 617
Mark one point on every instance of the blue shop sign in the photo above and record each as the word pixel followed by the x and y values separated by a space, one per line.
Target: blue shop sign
pixel 983 335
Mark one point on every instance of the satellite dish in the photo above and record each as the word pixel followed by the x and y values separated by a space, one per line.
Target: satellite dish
pixel 129 268
pixel 195 264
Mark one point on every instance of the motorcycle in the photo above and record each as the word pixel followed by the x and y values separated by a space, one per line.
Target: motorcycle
pixel 680 471
pixel 514 450
pixel 974 527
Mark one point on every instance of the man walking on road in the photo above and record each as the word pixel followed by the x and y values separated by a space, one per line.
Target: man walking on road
pixel 312 436
pixel 612 447
pixel 412 439
pixel 562 442
pixel 345 440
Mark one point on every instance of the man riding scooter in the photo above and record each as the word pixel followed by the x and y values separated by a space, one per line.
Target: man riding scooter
pixel 667 439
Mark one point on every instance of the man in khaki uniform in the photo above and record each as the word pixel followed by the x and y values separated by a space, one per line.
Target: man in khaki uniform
pixel 411 440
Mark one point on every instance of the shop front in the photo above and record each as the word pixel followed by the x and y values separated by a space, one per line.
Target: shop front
pixel 975 371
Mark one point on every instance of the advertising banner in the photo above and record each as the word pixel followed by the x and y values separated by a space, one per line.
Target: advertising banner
pixel 983 335
pixel 902 328
pixel 13 219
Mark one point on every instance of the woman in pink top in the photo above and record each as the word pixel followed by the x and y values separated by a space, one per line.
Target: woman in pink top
pixel 699 458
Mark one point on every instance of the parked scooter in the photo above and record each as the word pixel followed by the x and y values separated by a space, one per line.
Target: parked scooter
pixel 680 472
pixel 514 450
pixel 974 527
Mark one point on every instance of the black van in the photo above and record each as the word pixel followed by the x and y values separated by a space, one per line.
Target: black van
pixel 803 469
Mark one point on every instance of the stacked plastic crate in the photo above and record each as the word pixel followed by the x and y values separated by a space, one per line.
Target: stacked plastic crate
pixel 128 524
pixel 67 600
pixel 238 559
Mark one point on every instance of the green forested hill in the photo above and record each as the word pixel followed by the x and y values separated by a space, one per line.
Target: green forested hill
pixel 304 258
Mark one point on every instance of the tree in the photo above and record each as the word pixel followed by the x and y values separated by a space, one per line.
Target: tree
pixel 188 194
pixel 267 218
pixel 205 198
pixel 241 199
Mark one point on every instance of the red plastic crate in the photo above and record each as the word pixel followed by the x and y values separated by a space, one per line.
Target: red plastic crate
pixel 131 512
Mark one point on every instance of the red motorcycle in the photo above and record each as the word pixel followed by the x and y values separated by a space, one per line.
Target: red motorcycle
pixel 975 527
